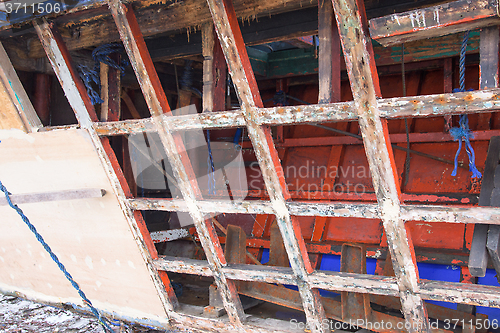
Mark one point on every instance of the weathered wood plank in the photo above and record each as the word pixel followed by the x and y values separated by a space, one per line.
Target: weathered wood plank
pixel 428 213
pixel 135 46
pixel 155 20
pixel 228 30
pixel 329 56
pixel 85 113
pixel 25 117
pixel 434 21
pixel 54 196
pixel 340 281
pixel 362 72
pixel 414 106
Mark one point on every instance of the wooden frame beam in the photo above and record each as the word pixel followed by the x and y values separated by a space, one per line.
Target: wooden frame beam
pixel 363 77
pixel 138 54
pixel 233 46
pixel 440 20
pixel 427 213
pixel 14 88
pixel 339 281
pixel 487 100
pixel 84 111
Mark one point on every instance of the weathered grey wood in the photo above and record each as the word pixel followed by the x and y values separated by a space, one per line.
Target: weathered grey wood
pixel 169 235
pixel 488 53
pixel 18 96
pixel 54 196
pixel 478 258
pixel 155 20
pixel 81 105
pixel 430 213
pixel 415 106
pixel 208 42
pixel 172 143
pixel 440 20
pixel 340 281
pixel 492 245
pixel 329 54
pixel 363 77
pixel 231 40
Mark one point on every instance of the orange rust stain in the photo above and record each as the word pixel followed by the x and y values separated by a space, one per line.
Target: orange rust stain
pixel 441 100
pixel 469 98
pixel 281 110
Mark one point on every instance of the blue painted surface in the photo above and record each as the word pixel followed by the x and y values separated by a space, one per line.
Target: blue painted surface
pixel 440 273
pixel 331 262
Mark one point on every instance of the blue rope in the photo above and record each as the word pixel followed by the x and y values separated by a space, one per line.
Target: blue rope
pixel 211 167
pixel 102 320
pixel 102 54
pixel 463 133
pixel 90 76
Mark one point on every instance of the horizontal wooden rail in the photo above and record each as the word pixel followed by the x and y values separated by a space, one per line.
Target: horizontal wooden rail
pixel 414 106
pixel 339 281
pixel 428 213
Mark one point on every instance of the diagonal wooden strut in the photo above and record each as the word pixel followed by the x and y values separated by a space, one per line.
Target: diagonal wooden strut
pixel 158 105
pixel 363 77
pixel 84 111
pixel 232 43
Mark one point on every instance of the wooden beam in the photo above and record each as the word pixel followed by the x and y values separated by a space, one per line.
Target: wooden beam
pixel 135 46
pixel 440 20
pixel 25 117
pixel 54 196
pixel 226 24
pixel 339 281
pixel 413 106
pixel 488 67
pixel 363 77
pixel 155 20
pixel 428 213
pixel 329 56
pixel 84 111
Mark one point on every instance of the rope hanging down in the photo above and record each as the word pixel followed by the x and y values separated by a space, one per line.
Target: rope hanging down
pixel 463 133
pixel 91 76
pixel 102 320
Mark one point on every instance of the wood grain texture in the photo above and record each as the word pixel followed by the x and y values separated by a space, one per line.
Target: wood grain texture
pixel 440 20
pixel 90 235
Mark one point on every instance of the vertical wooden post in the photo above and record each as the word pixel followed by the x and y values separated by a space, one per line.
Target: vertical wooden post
pixel 488 68
pixel 363 77
pixel 42 97
pixel 110 91
pixel 329 54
